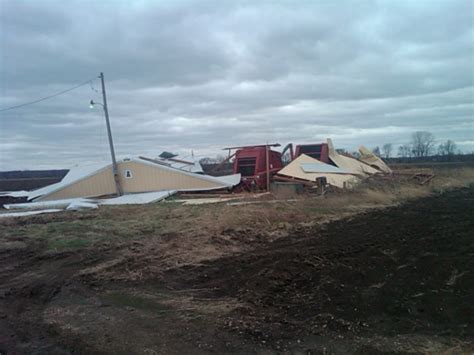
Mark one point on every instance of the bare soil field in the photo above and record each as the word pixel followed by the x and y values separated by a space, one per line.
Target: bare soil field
pixel 328 275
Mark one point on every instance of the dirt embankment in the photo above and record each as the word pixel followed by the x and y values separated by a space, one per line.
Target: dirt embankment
pixel 397 279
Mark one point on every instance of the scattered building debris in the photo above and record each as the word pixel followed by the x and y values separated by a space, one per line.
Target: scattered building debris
pixel 14 194
pixel 207 198
pixel 13 197
pixel 427 179
pixel 204 201
pixel 186 163
pixel 368 157
pixel 352 165
pixel 422 176
pixel 138 199
pixel 145 180
pixel 309 169
pixel 76 204
pixel 80 205
pixel 27 213
pixel 56 204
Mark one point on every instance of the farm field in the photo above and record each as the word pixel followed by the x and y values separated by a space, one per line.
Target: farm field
pixel 387 267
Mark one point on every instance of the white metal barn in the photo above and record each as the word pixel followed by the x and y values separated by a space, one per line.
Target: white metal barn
pixel 136 175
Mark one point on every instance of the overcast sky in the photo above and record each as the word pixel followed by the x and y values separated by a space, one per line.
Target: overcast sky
pixel 204 75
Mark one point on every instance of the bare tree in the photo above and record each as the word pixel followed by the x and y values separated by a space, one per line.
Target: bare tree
pixel 376 151
pixel 448 148
pixel 387 150
pixel 404 151
pixel 422 143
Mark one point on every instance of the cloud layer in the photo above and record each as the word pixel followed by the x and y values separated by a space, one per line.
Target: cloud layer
pixel 201 75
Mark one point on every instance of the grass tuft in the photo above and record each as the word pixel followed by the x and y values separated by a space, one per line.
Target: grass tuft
pixel 65 243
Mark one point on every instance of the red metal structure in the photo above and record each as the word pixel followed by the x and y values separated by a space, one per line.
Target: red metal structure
pixel 316 151
pixel 252 163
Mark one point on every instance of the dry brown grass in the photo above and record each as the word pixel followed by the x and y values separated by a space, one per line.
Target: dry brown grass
pixel 452 178
pixel 167 235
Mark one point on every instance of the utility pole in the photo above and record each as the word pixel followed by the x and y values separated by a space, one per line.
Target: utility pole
pixel 111 143
pixel 267 159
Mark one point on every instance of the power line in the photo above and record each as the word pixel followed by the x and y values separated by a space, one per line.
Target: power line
pixel 47 97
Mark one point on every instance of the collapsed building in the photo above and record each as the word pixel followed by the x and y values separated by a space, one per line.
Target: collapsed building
pixel 140 179
pixel 309 164
pixel 307 169
pixel 338 170
pixel 374 161
pixel 135 175
pixel 258 164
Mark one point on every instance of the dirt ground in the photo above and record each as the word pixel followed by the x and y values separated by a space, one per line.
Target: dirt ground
pixel 394 280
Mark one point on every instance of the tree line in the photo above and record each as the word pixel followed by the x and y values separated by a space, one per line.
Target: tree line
pixel 422 144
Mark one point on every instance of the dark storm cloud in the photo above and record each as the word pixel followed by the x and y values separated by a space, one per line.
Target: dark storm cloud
pixel 204 75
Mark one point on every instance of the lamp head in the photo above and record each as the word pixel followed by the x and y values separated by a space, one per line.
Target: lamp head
pixel 91 105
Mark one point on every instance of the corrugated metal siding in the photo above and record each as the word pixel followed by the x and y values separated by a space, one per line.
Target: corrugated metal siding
pixel 148 178
pixel 99 184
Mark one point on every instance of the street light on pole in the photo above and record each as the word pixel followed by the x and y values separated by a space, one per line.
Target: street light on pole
pixel 109 132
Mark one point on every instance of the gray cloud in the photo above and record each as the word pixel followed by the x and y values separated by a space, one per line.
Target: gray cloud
pixel 201 76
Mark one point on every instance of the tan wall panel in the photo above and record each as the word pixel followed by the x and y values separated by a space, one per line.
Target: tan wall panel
pixel 148 178
pixel 294 170
pixel 145 178
pixel 371 159
pixel 338 180
pixel 352 165
pixel 99 184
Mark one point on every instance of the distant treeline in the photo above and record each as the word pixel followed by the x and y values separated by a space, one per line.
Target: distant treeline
pixel 455 158
pixel 423 148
